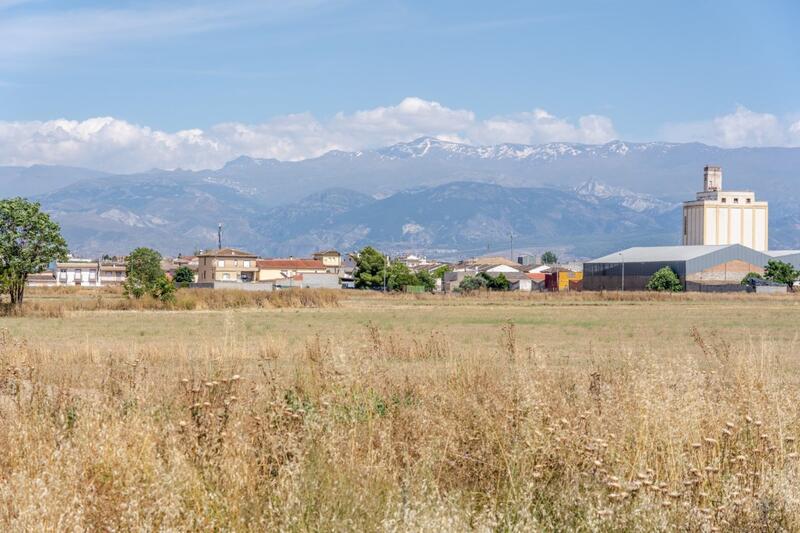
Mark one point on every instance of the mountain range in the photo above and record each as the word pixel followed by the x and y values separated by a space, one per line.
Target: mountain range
pixel 428 196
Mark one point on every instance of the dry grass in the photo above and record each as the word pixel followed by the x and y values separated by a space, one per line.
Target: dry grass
pixel 384 428
pixel 56 302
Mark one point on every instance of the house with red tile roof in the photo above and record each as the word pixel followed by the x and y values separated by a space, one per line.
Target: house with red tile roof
pixel 280 269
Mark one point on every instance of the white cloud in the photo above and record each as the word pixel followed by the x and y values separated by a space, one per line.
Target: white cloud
pixel 743 127
pixel 115 145
pixel 539 126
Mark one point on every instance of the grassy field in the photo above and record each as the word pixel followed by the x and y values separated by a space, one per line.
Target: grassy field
pixel 559 412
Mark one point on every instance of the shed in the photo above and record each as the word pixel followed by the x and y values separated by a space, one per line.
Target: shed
pixel 696 266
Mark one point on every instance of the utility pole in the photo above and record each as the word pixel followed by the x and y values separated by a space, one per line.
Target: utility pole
pixel 219 236
pixel 512 245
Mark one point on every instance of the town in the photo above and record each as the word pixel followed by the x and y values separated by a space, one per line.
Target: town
pixel 724 249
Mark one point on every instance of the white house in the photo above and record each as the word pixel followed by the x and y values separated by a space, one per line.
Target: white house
pixel 78 272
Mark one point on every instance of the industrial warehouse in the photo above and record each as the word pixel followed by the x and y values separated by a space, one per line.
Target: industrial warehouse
pixel 725 235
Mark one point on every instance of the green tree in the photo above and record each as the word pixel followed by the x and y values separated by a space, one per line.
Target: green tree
pixel 163 289
pixel 472 283
pixel 399 276
pixel 142 271
pixel 370 269
pixel 183 276
pixel 29 242
pixel 440 271
pixel 749 276
pixel 496 283
pixel 549 258
pixel 781 272
pixel 426 279
pixel 664 280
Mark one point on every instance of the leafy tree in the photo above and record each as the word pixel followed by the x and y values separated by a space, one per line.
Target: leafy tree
pixel 183 276
pixel 440 271
pixel 549 258
pixel 496 283
pixel 664 280
pixel 472 283
pixel 399 276
pixel 163 289
pixel 781 272
pixel 143 271
pixel 750 276
pixel 29 242
pixel 426 279
pixel 370 268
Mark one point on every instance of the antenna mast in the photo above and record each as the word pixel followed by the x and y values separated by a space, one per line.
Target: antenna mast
pixel 219 236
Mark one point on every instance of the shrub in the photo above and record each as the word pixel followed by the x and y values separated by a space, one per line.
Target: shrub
pixel 664 280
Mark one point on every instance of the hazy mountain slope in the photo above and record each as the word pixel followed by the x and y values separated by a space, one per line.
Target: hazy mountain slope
pixel 584 197
pixel 465 218
pixel 171 214
pixel 40 179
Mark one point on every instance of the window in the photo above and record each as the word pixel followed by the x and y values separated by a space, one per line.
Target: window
pixel 246 264
pixel 220 262
pixel 724 200
pixel 225 276
pixel 748 200
pixel 736 200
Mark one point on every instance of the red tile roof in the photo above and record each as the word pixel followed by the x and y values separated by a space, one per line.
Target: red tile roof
pixel 536 276
pixel 289 264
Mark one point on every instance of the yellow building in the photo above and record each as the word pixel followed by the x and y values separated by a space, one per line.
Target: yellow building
pixel 226 264
pixel 719 217
pixel 563 279
pixel 331 259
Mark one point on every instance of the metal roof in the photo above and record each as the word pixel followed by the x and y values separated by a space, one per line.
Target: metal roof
pixel 650 254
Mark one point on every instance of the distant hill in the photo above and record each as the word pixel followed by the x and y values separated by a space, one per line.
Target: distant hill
pixel 428 195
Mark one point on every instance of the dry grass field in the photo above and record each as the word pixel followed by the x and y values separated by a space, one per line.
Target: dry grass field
pixel 367 413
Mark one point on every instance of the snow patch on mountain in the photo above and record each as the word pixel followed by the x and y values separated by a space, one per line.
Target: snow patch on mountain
pixel 594 190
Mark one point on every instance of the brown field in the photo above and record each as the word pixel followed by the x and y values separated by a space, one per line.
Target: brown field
pixel 361 412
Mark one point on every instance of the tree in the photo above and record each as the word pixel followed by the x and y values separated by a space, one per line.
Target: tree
pixel 370 269
pixel 143 271
pixel 29 242
pixel 399 276
pixel 426 279
pixel 781 272
pixel 440 271
pixel 549 258
pixel 664 280
pixel 472 283
pixel 751 276
pixel 495 283
pixel 163 289
pixel 183 276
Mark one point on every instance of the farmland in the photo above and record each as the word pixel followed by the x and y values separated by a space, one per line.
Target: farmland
pixel 365 412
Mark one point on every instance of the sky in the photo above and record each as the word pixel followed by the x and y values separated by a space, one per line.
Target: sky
pixel 130 85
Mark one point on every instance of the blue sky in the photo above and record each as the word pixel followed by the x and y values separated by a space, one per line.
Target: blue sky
pixel 293 79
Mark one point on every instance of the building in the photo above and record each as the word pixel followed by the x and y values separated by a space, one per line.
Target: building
pixel 227 264
pixel 720 217
pixel 559 278
pixel 78 273
pixel 528 259
pixel 699 267
pixel 280 269
pixel 322 280
pixel 331 259
pixel 112 272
